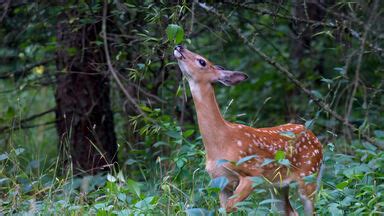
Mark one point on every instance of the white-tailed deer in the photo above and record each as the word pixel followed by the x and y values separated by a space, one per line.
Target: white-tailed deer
pixel 225 141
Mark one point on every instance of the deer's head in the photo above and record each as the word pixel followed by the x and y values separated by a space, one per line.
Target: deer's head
pixel 199 70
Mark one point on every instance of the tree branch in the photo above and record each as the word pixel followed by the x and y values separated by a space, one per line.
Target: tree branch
pixel 28 119
pixel 22 71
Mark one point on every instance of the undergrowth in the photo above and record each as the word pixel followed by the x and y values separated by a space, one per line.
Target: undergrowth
pixel 179 185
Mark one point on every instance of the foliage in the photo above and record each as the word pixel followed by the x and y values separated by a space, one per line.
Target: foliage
pixel 161 155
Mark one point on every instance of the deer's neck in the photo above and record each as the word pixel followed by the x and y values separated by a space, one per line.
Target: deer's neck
pixel 211 123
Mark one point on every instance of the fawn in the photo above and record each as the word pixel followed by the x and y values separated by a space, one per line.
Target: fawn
pixel 231 142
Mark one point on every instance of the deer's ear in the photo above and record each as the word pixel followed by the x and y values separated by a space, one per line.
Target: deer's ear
pixel 230 78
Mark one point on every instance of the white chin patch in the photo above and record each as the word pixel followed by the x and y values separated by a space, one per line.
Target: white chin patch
pixel 177 54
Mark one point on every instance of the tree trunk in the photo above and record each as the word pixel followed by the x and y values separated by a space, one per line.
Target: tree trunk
pixel 85 121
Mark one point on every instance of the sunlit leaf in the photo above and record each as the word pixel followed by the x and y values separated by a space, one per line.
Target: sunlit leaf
pixel 175 33
pixel 111 178
pixel 342 185
pixel 280 155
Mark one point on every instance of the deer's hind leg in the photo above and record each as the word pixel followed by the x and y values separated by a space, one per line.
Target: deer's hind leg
pixel 243 189
pixel 307 192
pixel 224 196
pixel 285 205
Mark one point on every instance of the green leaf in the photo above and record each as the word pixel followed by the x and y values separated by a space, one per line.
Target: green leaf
pixel 288 134
pixel 267 161
pixel 221 162
pixel 310 178
pixel 134 186
pixel 280 155
pixel 175 33
pixel 145 203
pixel 284 162
pixel 245 159
pixel 19 151
pixel 219 182
pixel 334 210
pixel 308 124
pixel 257 181
pixel 111 178
pixel 269 201
pixel 198 212
pixel 328 81
pixel 342 185
pixel 10 113
pixel 317 94
pixel 174 134
pixel 188 133
pixel 3 156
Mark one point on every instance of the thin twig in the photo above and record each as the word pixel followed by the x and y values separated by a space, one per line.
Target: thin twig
pixel 290 76
pixel 109 63
pixel 359 61
pixel 308 21
pixel 6 7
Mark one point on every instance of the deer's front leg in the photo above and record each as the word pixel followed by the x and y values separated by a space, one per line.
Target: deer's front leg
pixel 242 191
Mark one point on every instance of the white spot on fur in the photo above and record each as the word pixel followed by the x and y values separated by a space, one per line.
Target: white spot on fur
pixel 239 143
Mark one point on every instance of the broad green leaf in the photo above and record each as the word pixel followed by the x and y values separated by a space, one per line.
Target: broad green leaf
pixel 174 134
pixel 219 182
pixel 145 203
pixel 334 210
pixel 134 186
pixel 175 33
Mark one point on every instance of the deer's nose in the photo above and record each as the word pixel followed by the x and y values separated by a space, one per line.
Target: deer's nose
pixel 179 48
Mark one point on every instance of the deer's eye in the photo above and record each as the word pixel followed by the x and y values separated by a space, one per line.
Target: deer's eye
pixel 202 62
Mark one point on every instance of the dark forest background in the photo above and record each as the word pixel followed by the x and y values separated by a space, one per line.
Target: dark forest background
pixel 95 117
